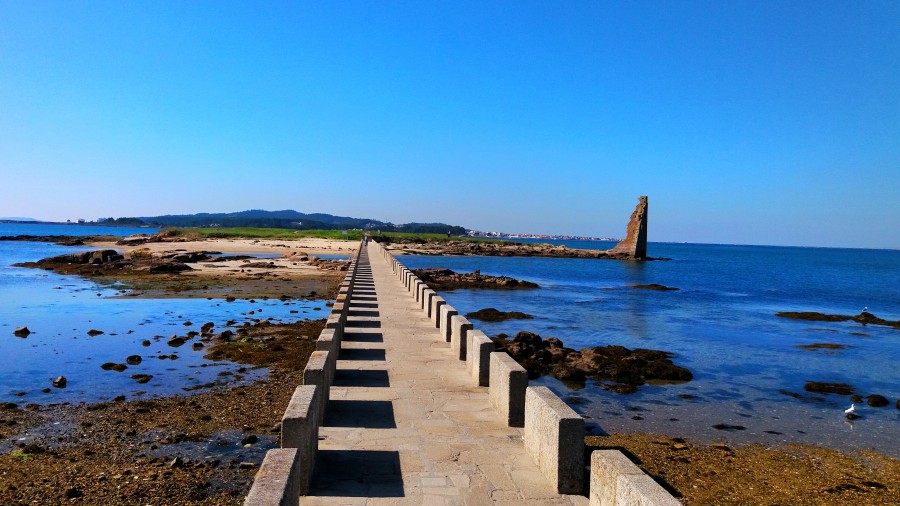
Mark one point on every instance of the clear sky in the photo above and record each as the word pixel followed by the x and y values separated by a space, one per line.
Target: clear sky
pixel 744 122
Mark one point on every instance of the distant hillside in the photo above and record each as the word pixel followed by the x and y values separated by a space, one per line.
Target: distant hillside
pixel 287 219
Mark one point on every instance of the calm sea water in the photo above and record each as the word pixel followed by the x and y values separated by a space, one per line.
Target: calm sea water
pixel 60 310
pixel 65 229
pixel 720 325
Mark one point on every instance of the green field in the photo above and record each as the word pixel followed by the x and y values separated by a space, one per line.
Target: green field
pixel 288 234
pixel 265 233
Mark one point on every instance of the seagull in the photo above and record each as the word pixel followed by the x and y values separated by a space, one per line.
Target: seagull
pixel 851 409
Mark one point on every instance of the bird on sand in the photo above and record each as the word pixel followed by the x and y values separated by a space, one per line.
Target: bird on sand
pixel 851 409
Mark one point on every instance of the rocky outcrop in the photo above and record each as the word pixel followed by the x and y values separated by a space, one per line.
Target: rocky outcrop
pixel 98 257
pixel 635 243
pixel 618 368
pixel 490 314
pixel 446 279
pixel 865 318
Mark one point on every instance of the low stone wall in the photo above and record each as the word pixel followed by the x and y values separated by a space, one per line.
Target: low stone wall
pixel 460 326
pixel 615 480
pixel 300 430
pixel 286 472
pixel 276 481
pixel 506 390
pixel 478 357
pixel 554 437
pixel 436 303
pixel 446 314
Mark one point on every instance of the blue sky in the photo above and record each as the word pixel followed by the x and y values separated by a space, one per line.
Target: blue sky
pixel 744 122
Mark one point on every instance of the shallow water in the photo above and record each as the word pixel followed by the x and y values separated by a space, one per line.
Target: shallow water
pixel 60 310
pixel 721 326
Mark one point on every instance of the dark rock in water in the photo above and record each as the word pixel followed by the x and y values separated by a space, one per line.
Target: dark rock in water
pixel 176 341
pixel 856 398
pixel 877 401
pixel 94 332
pixel 176 463
pixel 898 404
pixel 655 286
pixel 865 318
pixel 490 314
pixel 828 388
pixel 197 346
pixel 145 343
pixel 853 416
pixel 60 382
pixel 247 465
pixel 446 279
pixel 823 346
pixel 21 332
pixel 107 366
pixel 142 378
pixel 625 369
pixel 225 335
pixel 10 405
pixel 133 359
pixel 249 440
pixel 725 426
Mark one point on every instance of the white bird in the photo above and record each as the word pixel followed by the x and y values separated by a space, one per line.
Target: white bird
pixel 851 409
pixel 865 309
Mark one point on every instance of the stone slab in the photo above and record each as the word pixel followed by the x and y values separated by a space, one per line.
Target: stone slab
pixel 554 437
pixel 506 387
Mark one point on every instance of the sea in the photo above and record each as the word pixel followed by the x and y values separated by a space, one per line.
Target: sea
pixel 60 310
pixel 749 373
pixel 720 324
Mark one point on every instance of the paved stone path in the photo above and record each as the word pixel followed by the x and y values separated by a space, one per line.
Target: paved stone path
pixel 404 424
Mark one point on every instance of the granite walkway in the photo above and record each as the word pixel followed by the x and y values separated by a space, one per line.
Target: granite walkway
pixel 405 425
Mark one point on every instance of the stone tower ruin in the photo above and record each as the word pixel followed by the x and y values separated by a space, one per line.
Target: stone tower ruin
pixel 635 243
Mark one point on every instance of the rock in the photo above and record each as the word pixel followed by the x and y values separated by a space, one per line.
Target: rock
pixel 74 493
pixel 142 378
pixel 877 401
pixel 21 332
pixel 225 335
pixel 10 405
pixel 446 279
pixel 94 332
pixel 247 465
pixel 730 428
pixel 133 359
pixel 864 318
pixel 828 388
pixel 679 446
pixel 654 286
pixel 176 463
pixel 853 416
pixel 169 268
pixel 107 366
pixel 626 368
pixel 176 341
pixel 60 382
pixel 145 343
pixel 197 346
pixel 249 440
pixel 721 446
pixel 490 314
pixel 823 346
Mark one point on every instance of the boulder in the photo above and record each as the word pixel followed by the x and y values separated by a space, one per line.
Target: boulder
pixel 60 382
pixel 21 332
